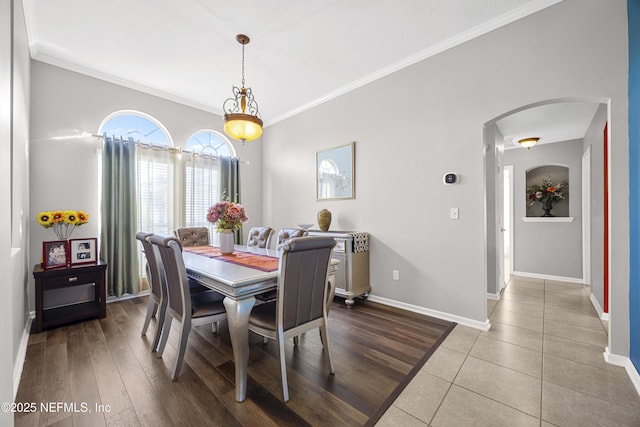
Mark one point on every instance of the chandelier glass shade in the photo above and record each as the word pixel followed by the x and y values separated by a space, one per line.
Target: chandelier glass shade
pixel 528 142
pixel 241 117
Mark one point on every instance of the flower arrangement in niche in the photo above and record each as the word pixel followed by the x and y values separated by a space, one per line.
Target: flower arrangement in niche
pixel 227 215
pixel 547 193
pixel 62 222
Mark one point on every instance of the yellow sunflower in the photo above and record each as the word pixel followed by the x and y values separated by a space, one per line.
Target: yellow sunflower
pixel 83 218
pixel 71 217
pixel 57 216
pixel 44 219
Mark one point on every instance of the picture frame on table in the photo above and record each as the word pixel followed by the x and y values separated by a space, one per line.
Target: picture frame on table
pixel 55 254
pixel 83 251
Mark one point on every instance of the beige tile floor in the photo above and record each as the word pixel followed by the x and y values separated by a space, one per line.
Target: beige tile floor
pixel 541 364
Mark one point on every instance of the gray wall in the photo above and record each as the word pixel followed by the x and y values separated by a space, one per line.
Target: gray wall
pixel 64 103
pixel 594 139
pixel 494 189
pixel 14 179
pixel 547 248
pixel 418 123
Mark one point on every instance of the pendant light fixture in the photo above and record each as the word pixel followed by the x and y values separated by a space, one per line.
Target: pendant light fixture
pixel 241 118
pixel 528 142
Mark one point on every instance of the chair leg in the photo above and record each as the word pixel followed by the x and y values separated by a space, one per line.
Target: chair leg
pixel 324 335
pixel 296 340
pixel 151 308
pixel 265 340
pixel 184 336
pixel 162 313
pixel 283 368
pixel 165 334
pixel 214 327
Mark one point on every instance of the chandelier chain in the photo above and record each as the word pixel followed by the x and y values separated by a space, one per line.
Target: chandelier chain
pixel 242 64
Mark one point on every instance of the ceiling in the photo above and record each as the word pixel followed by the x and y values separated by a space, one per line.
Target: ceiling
pixel 557 122
pixel 301 53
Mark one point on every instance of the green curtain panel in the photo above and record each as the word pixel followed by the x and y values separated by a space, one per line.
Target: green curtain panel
pixel 118 247
pixel 230 184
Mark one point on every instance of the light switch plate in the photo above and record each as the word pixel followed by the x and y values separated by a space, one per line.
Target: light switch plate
pixel 454 213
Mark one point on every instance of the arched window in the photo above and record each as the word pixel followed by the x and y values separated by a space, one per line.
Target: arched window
pixel 210 143
pixel 138 126
pixel 202 176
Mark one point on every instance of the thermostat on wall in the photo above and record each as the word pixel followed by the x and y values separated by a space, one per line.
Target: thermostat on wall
pixel 450 178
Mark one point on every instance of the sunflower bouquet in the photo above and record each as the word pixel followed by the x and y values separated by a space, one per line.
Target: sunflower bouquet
pixel 62 222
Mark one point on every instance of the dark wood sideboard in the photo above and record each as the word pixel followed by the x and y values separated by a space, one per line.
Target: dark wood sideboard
pixel 71 294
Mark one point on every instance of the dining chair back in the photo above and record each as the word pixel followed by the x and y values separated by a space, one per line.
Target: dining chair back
pixel 289 233
pixel 260 237
pixel 301 302
pixel 157 306
pixel 189 309
pixel 193 236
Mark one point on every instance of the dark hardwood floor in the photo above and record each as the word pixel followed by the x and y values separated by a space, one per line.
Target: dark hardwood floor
pixel 102 372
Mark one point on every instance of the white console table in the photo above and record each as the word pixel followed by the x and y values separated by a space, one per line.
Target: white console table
pixel 352 249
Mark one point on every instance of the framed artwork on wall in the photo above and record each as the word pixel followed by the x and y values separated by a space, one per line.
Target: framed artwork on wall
pixel 83 251
pixel 335 173
pixel 55 254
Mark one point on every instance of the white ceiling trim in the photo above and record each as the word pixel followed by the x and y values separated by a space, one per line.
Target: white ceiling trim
pixel 452 42
pixel 123 82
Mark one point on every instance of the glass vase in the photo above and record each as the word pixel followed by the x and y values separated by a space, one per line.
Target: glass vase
pixel 63 230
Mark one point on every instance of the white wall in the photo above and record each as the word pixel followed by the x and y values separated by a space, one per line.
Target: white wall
pixel 14 176
pixel 64 173
pixel 6 328
pixel 543 248
pixel 416 124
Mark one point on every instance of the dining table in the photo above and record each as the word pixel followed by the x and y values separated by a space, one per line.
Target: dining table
pixel 240 276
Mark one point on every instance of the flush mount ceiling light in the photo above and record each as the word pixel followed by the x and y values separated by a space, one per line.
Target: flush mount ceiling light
pixel 528 142
pixel 241 118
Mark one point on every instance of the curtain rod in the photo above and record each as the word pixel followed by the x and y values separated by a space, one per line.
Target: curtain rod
pixel 179 150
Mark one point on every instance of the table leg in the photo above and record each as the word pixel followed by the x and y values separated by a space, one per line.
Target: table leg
pixel 238 319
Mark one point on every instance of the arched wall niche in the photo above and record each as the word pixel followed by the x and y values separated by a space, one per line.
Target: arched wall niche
pixel 538 178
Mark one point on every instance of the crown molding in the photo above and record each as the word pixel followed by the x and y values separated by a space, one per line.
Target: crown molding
pixel 452 42
pixel 57 62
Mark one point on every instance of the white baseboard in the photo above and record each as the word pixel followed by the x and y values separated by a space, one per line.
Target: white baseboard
pixel 22 353
pixel 627 364
pixel 596 305
pixel 601 314
pixel 633 375
pixel 495 297
pixel 483 326
pixel 549 277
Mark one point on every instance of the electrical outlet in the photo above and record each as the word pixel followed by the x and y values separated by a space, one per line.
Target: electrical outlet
pixel 396 275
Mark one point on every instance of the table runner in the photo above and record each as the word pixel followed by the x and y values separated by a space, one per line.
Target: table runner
pixel 247 259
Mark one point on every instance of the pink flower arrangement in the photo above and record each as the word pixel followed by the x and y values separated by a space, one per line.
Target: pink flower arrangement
pixel 227 215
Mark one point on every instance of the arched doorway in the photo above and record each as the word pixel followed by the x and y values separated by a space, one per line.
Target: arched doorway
pixel 555 121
